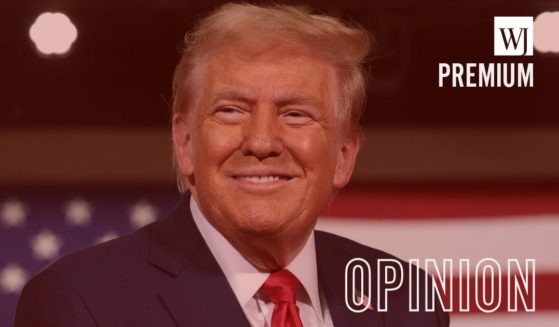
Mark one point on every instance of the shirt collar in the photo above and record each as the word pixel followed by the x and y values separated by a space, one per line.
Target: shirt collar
pixel 244 278
pixel 303 266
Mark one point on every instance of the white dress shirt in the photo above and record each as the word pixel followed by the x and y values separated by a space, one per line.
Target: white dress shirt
pixel 246 280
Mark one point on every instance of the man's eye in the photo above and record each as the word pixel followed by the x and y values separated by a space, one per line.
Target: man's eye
pixel 229 110
pixel 296 114
pixel 296 117
pixel 229 115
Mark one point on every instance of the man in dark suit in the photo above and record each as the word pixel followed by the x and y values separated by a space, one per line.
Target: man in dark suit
pixel 266 105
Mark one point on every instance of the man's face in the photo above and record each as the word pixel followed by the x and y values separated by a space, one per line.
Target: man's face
pixel 261 144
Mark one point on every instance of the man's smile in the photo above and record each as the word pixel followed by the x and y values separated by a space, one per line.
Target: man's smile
pixel 264 179
pixel 261 179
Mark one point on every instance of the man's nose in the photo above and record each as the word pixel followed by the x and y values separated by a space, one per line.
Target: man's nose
pixel 261 134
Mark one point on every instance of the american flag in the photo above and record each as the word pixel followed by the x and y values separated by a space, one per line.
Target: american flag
pixel 510 222
pixel 40 224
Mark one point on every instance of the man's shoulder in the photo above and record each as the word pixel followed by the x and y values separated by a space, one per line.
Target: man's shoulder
pixel 337 251
pixel 119 255
pixel 109 283
pixel 120 267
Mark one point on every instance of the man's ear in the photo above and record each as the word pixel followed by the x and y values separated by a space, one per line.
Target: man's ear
pixel 347 153
pixel 182 144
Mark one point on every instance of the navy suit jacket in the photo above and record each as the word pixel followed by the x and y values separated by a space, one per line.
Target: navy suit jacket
pixel 165 275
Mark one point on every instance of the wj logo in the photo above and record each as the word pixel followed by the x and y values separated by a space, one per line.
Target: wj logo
pixel 513 36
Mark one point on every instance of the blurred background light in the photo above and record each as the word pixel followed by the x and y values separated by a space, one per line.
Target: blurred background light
pixel 546 32
pixel 53 33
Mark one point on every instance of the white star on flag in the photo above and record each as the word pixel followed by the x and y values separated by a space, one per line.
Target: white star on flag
pixel 78 212
pixel 109 235
pixel 13 213
pixel 142 213
pixel 46 245
pixel 13 278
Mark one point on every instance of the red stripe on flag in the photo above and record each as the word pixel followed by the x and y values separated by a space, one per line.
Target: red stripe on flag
pixel 416 204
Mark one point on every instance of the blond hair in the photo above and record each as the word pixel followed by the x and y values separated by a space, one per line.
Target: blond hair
pixel 261 27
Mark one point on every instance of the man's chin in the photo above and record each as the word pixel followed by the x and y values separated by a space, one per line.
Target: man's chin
pixel 262 227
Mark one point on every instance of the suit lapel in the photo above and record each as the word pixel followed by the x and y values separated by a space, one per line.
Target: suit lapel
pixel 331 262
pixel 199 294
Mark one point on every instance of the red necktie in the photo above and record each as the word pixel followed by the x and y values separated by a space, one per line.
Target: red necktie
pixel 281 287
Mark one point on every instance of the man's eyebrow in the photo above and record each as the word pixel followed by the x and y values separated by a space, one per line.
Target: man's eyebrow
pixel 232 94
pixel 298 99
pixel 280 100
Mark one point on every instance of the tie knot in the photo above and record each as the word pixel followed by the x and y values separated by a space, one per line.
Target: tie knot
pixel 281 287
